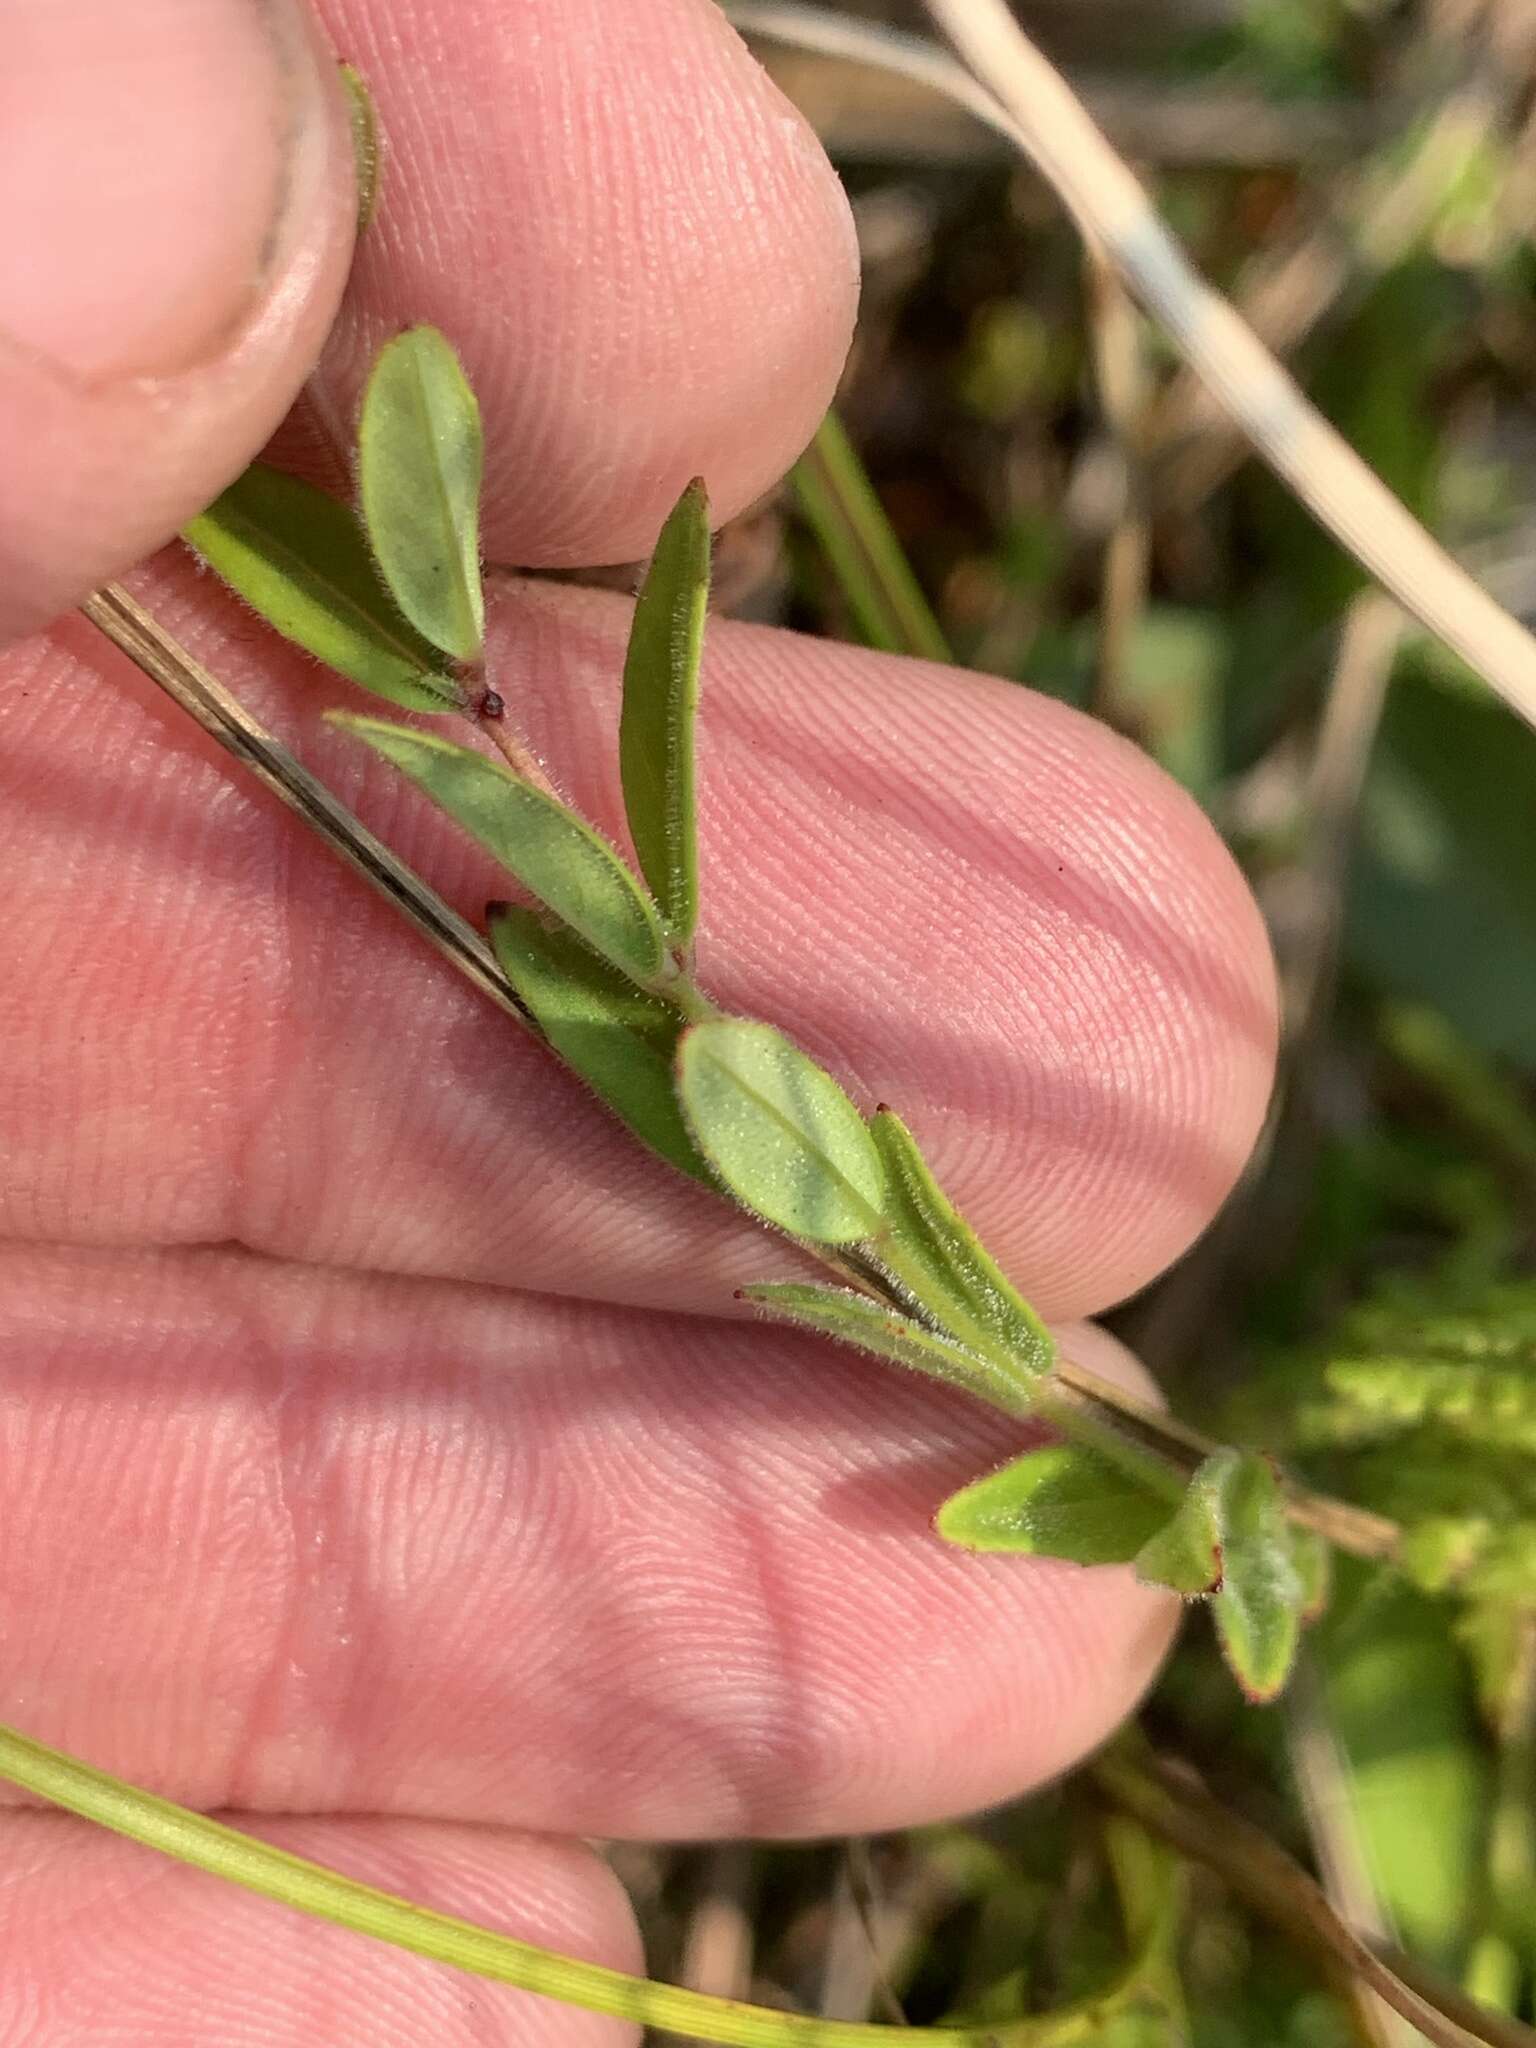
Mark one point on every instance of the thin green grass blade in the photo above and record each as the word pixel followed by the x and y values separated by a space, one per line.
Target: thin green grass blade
pixel 849 522
pixel 300 559
pixel 661 695
pixel 420 458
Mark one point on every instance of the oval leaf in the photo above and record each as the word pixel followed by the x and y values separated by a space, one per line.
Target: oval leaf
pixel 886 1333
pixel 552 852
pixel 661 695
pixel 419 461
pixel 779 1131
pixel 621 1041
pixel 1258 1605
pixel 939 1259
pixel 1062 1501
pixel 300 559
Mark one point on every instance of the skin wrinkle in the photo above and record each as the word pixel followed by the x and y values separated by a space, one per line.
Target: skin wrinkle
pixel 730 1531
pixel 485 1638
pixel 488 1159
pixel 173 1958
pixel 717 290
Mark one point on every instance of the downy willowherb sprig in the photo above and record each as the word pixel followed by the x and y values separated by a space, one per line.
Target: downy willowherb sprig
pixel 602 961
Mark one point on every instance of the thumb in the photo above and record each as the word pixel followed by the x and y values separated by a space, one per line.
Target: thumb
pixel 177 189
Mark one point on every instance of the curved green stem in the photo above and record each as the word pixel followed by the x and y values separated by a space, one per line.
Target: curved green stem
pixel 257 1866
pixel 849 521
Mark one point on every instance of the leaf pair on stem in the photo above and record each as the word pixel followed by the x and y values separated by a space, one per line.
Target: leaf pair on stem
pixel 602 959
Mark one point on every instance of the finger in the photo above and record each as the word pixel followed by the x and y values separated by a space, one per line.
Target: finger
pixel 631 237
pixel 978 905
pixel 305 1542
pixel 177 185
pixel 175 1957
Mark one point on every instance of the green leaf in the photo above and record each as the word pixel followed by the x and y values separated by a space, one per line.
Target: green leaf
pixel 300 559
pixel 419 460
pixel 845 513
pixel 1062 1501
pixel 552 852
pixel 1442 889
pixel 621 1041
pixel 1231 1538
pixel 1491 1403
pixel 1186 1553
pixel 937 1257
pixel 1258 1604
pixel 779 1131
pixel 661 695
pixel 885 1332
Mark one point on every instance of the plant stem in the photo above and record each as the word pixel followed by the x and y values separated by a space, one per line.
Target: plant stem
pixel 510 744
pixel 1148 1442
pixel 1100 1403
pixel 1276 1886
pixel 849 521
pixel 1026 100
pixel 257 1866
pixel 204 699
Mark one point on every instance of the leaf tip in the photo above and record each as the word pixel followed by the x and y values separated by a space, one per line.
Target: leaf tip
pixel 366 151
pixel 1258 1695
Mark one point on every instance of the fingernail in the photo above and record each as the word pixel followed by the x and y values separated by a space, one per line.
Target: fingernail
pixel 153 154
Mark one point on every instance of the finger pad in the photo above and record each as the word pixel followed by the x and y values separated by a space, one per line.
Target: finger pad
pixel 975 904
pixel 367 1545
pixel 630 236
pixel 106 1941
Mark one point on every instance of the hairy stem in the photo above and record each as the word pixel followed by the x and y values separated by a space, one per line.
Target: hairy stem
pixel 1082 1397
pixel 1271 1882
pixel 257 1866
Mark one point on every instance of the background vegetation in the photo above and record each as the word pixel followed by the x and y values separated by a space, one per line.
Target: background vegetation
pixel 1360 177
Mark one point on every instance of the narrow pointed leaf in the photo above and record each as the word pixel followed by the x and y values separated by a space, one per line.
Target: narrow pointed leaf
pixel 300 559
pixel 420 456
pixel 1258 1605
pixel 365 142
pixel 1062 1501
pixel 938 1258
pixel 855 1319
pixel 661 695
pixel 553 853
pixel 779 1131
pixel 621 1041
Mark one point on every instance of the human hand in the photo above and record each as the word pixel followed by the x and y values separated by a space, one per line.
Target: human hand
pixel 379 1445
